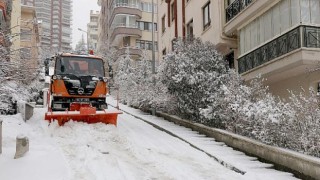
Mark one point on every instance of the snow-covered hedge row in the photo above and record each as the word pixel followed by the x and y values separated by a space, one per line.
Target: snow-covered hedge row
pixel 17 81
pixel 195 83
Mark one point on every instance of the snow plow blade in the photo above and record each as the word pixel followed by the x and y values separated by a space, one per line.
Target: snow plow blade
pixel 87 114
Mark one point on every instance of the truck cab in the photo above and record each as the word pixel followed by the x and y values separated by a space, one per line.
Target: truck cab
pixel 77 79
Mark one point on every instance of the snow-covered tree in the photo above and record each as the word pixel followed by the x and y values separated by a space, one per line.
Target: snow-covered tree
pixel 124 78
pixel 142 82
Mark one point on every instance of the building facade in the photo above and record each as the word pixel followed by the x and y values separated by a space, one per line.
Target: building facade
pixel 279 40
pixel 24 38
pixel 5 16
pixel 29 38
pixel 193 19
pixel 15 30
pixel 92 30
pixel 56 20
pixel 126 25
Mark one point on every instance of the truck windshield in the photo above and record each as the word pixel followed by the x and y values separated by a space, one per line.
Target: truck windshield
pixel 80 66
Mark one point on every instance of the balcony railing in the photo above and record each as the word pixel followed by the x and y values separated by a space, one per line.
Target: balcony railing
pixel 131 50
pixel 129 5
pixel 125 8
pixel 123 28
pixel 302 36
pixel 235 8
pixel 124 25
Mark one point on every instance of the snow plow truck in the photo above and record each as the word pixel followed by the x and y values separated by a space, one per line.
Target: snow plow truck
pixel 77 90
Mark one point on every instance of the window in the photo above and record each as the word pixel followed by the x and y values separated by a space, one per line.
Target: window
pixel 25 35
pixel 25 53
pixel 147 7
pixel 172 11
pixel 141 44
pixel 229 58
pixel 190 29
pixel 206 16
pixel 173 44
pixel 148 45
pixel 147 26
pixel 163 23
pixel 164 52
pixel 126 41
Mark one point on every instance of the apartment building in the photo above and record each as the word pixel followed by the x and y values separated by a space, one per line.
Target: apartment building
pixel 3 15
pixel 194 19
pixel 4 21
pixel 27 2
pixel 15 30
pixel 56 17
pixel 29 38
pixel 278 39
pixel 24 36
pixel 92 30
pixel 127 26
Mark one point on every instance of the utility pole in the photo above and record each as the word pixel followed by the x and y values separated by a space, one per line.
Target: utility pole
pixel 153 49
pixel 153 110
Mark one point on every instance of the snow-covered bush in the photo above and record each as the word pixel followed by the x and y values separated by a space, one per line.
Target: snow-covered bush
pixel 139 87
pixel 193 82
pixel 18 82
pixel 193 74
pixel 302 130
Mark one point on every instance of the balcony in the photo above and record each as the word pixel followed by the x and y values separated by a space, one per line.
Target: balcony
pixel 241 11
pixel 125 8
pixel 132 51
pixel 123 29
pixel 56 3
pixel 235 8
pixel 295 51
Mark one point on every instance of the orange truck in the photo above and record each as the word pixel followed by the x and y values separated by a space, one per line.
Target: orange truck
pixel 78 90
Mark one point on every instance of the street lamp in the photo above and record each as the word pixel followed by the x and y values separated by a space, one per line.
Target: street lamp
pixel 87 38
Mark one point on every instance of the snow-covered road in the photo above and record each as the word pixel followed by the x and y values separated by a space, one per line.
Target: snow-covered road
pixel 132 150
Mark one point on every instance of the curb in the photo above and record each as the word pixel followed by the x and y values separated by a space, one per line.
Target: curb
pixel 303 166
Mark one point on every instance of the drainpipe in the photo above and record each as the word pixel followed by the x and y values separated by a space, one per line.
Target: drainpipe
pixel 183 19
pixel 175 19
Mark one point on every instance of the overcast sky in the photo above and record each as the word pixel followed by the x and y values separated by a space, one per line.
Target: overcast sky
pixel 81 16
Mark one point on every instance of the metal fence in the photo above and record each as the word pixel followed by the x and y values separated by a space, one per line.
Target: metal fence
pixel 302 36
pixel 311 37
pixel 235 8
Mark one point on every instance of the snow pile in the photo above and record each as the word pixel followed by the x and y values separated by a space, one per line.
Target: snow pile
pixel 44 159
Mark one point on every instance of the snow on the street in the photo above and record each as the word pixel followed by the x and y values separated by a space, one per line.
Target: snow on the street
pixel 132 150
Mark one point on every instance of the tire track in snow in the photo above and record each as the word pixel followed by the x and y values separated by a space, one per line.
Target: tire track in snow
pixel 95 151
